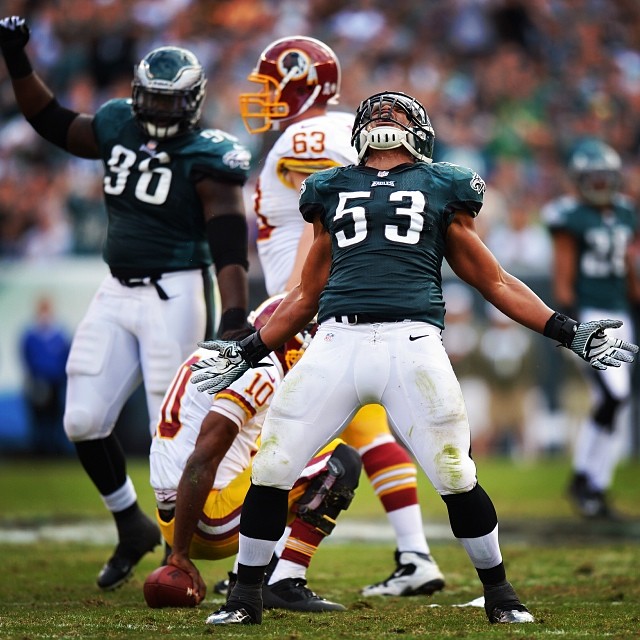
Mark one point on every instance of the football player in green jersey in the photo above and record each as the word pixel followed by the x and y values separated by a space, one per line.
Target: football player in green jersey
pixel 174 199
pixel 592 232
pixel 382 229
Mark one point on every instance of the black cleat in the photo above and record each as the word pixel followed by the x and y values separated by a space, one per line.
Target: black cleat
pixel 221 587
pixel 293 594
pixel 502 605
pixel 243 606
pixel 588 502
pixel 141 539
pixel 224 587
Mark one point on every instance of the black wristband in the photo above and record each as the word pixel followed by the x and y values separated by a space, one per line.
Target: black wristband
pixel 17 62
pixel 561 328
pixel 253 349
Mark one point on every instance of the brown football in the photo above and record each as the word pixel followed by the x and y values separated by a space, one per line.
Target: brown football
pixel 169 586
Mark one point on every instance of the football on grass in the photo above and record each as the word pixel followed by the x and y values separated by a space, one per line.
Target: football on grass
pixel 169 586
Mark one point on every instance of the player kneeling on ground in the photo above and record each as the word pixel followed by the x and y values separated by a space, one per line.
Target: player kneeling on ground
pixel 201 469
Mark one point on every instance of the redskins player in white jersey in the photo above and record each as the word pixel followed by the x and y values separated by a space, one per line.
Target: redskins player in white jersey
pixel 298 77
pixel 200 463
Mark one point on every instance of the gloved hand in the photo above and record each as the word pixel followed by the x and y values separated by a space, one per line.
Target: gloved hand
pixel 14 34
pixel 592 344
pixel 230 361
pixel 223 368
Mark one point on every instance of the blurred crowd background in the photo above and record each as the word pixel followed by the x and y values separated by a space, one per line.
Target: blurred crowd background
pixel 510 86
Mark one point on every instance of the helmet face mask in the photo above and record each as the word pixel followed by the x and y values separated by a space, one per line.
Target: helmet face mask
pixel 168 92
pixel 596 168
pixel 291 351
pixel 377 126
pixel 293 74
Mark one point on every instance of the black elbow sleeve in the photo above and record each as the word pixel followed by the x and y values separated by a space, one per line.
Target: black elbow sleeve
pixel 228 240
pixel 53 123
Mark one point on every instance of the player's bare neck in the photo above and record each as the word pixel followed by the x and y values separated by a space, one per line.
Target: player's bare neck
pixel 386 160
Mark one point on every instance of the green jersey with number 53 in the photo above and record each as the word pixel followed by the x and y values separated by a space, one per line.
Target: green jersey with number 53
pixel 155 216
pixel 603 238
pixel 388 231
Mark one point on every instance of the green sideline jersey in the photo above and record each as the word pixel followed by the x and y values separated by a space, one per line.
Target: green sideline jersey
pixel 602 239
pixel 388 231
pixel 155 218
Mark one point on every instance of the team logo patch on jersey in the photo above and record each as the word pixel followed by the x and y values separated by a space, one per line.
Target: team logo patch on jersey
pixel 477 183
pixel 383 183
pixel 150 147
pixel 237 158
pixel 383 174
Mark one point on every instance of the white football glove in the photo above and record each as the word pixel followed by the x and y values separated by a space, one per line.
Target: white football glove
pixel 592 344
pixel 220 370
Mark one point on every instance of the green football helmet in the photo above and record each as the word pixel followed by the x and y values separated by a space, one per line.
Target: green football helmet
pixel 596 169
pixel 417 137
pixel 168 92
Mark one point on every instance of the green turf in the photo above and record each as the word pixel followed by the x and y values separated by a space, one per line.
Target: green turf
pixel 579 579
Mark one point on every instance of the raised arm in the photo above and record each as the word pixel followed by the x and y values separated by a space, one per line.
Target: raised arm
pixel 66 129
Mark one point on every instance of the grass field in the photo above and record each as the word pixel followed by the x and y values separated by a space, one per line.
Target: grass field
pixel 580 579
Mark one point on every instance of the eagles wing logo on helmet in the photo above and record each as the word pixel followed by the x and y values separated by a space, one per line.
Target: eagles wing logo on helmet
pixel 477 184
pixel 168 92
pixel 376 126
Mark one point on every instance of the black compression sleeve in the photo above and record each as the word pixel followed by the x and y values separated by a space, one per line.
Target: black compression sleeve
pixel 53 123
pixel 18 64
pixel 228 240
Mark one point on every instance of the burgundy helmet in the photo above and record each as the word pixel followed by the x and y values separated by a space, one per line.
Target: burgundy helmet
pixel 292 350
pixel 294 74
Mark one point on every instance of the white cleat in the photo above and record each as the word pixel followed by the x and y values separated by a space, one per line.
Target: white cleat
pixel 415 574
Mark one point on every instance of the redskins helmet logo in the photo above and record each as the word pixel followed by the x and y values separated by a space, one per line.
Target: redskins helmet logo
pixel 294 64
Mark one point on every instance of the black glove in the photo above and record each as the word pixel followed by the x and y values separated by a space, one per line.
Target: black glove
pixel 229 363
pixel 14 35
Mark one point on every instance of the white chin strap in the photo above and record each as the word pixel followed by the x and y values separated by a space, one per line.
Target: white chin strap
pixel 384 138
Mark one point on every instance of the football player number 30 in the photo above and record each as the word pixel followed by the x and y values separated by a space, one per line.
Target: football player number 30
pixel 154 181
pixel 414 212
